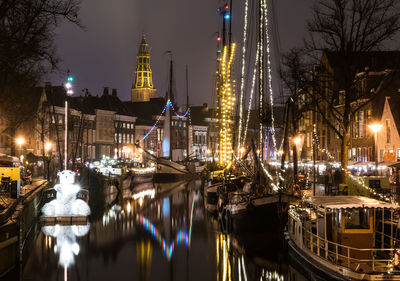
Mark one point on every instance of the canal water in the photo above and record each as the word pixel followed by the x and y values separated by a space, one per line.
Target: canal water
pixel 152 232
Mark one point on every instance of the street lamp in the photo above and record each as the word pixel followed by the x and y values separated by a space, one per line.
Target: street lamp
pixel 375 128
pixel 20 141
pixel 47 146
pixel 297 141
pixel 69 92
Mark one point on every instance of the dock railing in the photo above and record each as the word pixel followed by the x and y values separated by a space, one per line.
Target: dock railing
pixel 381 261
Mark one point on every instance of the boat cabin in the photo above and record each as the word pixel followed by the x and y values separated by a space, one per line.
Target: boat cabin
pixel 357 232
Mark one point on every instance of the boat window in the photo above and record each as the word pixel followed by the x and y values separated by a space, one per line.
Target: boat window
pixel 356 219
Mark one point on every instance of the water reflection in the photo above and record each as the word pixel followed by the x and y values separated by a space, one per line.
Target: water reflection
pixel 66 245
pixel 155 232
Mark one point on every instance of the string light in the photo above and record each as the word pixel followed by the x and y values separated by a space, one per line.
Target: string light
pixel 227 101
pixel 269 73
pixel 157 121
pixel 358 180
pixel 241 99
pixel 253 83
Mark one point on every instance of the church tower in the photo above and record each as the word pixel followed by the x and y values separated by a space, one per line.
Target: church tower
pixel 143 88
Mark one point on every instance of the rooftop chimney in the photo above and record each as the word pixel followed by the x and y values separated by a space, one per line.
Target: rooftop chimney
pixel 114 92
pixel 105 91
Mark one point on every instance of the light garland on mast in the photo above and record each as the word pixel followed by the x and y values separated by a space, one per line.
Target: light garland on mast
pixel 269 72
pixel 227 105
pixel 253 83
pixel 241 99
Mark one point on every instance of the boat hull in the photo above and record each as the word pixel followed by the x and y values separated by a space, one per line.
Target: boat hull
pixel 142 178
pixel 169 171
pixel 266 214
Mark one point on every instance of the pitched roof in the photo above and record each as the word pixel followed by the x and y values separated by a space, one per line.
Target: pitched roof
pixel 145 110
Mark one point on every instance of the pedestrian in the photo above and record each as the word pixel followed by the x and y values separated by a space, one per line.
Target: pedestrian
pixel 326 182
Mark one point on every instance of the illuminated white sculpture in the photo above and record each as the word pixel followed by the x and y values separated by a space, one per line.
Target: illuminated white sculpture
pixel 66 245
pixel 66 203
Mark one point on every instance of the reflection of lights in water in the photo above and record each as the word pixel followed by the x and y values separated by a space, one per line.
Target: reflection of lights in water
pixel 165 207
pixel 271 276
pixel 140 201
pixel 182 237
pixel 144 193
pixel 66 245
pixel 66 203
pixel 225 261
pixel 111 214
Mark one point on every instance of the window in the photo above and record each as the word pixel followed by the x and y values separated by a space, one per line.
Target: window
pixel 361 124
pixel 356 219
pixel 119 138
pixel 127 138
pixel 387 131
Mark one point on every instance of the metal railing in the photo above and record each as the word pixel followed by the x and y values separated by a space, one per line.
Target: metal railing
pixel 381 261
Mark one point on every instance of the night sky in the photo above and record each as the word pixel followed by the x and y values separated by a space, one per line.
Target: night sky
pixel 104 54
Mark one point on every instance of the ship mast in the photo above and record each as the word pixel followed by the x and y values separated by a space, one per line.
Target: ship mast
pixel 166 144
pixel 187 117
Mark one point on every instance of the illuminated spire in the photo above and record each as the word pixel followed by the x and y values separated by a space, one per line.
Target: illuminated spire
pixel 143 88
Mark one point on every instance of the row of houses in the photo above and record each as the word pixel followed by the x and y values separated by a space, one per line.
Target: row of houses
pixel 376 99
pixel 103 125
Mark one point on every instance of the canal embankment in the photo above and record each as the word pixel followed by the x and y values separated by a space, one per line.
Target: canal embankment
pixel 14 229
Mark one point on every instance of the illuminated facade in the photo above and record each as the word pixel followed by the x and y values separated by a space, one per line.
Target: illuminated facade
pixel 143 88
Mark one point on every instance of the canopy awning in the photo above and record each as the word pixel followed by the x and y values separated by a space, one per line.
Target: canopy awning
pixel 345 202
pixel 394 165
pixel 386 164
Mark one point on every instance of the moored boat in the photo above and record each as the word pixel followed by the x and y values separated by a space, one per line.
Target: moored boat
pixel 168 170
pixel 346 237
pixel 142 174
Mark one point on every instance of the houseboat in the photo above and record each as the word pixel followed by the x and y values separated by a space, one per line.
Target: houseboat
pixel 345 237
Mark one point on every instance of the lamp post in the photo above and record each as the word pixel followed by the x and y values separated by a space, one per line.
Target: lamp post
pixel 20 141
pixel 69 91
pixel 375 128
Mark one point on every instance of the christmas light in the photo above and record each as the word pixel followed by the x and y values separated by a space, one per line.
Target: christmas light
pixel 253 83
pixel 241 99
pixel 227 106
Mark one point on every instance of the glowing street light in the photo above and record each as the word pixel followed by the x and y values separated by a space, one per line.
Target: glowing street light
pixel 48 146
pixel 375 128
pixel 20 141
pixel 297 141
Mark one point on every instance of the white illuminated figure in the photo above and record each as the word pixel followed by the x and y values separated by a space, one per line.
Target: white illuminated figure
pixel 66 245
pixel 66 203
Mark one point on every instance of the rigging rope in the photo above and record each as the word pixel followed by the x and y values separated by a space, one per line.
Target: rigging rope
pixel 241 99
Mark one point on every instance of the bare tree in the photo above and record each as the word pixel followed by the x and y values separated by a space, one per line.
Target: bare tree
pixel 346 32
pixel 27 52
